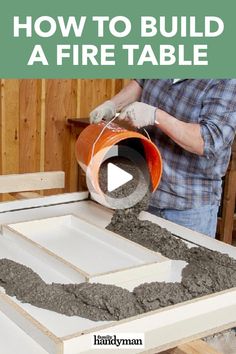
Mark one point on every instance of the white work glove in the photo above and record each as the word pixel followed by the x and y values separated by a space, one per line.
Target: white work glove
pixel 139 114
pixel 106 110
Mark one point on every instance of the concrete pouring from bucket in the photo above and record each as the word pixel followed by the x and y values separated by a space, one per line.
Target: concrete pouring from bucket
pixel 98 139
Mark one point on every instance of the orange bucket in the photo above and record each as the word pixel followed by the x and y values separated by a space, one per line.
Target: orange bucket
pixel 98 137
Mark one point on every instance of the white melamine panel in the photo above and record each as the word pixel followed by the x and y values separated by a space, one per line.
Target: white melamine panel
pixel 89 248
pixel 50 272
pixel 22 343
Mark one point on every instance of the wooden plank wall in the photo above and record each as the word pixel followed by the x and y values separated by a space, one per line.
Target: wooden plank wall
pixel 34 135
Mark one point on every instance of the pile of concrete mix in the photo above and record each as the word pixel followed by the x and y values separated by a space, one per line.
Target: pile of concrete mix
pixel 207 272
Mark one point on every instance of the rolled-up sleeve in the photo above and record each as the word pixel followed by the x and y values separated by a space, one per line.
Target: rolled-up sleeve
pixel 218 117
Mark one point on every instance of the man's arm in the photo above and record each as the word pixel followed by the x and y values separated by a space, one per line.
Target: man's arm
pixel 214 130
pixel 108 109
pixel 187 135
pixel 129 94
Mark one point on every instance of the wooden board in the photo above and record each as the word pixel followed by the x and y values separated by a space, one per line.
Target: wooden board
pixel 9 122
pixel 30 129
pixel 60 104
pixel 31 181
pixel 10 126
pixel 163 328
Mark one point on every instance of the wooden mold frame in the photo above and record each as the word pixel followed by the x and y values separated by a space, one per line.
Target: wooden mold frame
pixel 146 264
pixel 163 329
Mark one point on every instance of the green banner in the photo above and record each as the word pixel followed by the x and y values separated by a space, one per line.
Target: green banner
pixel 111 39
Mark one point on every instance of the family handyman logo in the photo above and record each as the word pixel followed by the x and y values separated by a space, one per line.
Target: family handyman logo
pixel 118 340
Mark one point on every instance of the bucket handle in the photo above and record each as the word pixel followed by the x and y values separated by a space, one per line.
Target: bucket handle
pixel 103 129
pixel 147 134
pixel 101 132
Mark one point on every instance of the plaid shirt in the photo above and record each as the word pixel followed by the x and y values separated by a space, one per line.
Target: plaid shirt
pixel 189 180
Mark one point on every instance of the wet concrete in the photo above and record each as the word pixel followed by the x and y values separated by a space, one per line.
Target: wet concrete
pixel 97 302
pixel 146 233
pixel 207 275
pixel 152 296
pixel 207 272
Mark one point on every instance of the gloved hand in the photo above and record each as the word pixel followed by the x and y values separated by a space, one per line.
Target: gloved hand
pixel 106 110
pixel 139 114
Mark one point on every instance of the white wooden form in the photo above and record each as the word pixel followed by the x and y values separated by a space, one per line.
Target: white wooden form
pixel 163 329
pixel 22 343
pixel 31 181
pixel 91 253
pixel 16 208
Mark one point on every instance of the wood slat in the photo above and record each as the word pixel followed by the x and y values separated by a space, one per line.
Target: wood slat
pixel 10 126
pixel 31 181
pixel 59 105
pixel 25 195
pixel 29 120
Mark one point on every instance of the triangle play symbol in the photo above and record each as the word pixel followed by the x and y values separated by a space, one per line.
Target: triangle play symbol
pixel 116 177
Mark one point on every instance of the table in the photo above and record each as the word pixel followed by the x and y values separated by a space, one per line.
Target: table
pixel 218 310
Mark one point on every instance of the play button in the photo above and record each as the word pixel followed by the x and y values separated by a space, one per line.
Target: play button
pixel 116 177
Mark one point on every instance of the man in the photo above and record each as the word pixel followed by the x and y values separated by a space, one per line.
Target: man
pixel 193 124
